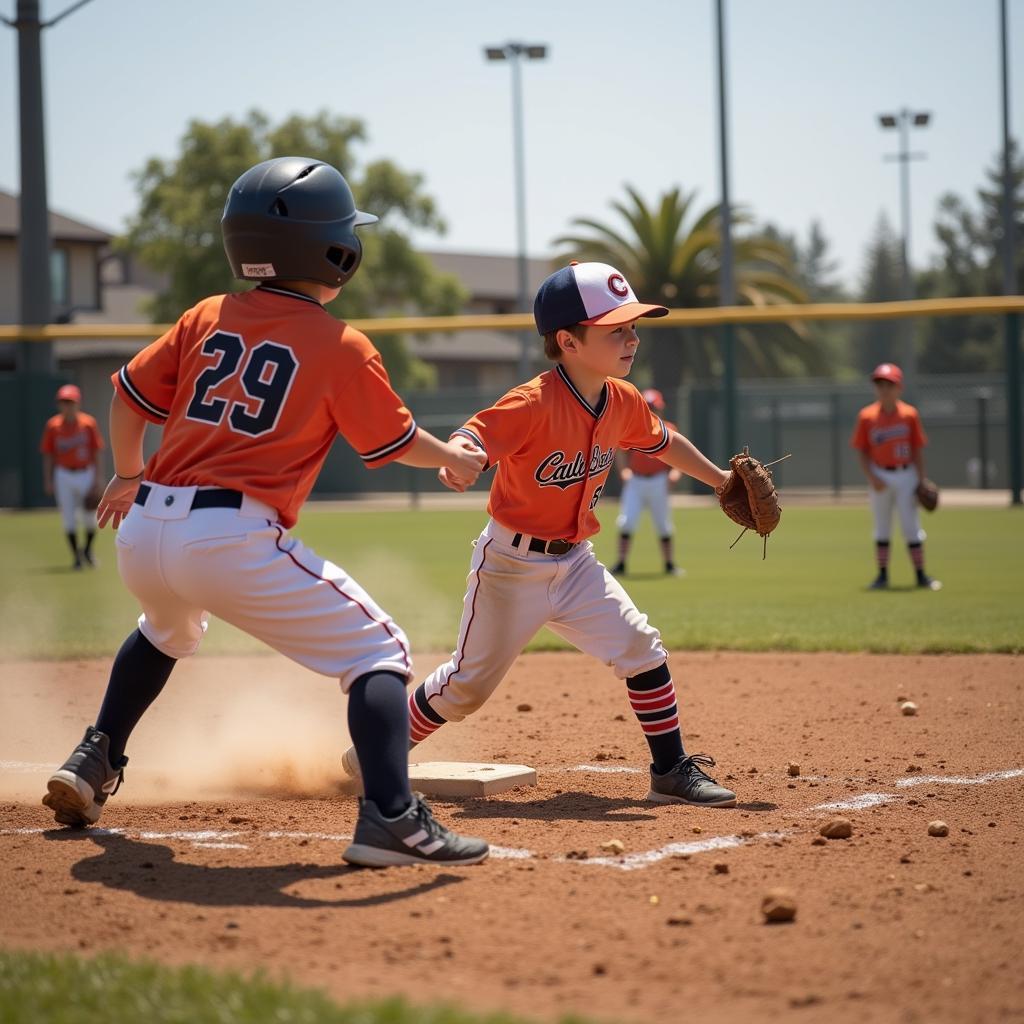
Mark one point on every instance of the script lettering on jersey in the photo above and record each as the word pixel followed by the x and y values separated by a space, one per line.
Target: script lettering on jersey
pixel 879 435
pixel 558 471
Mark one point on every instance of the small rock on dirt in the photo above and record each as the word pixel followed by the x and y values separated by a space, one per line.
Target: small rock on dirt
pixel 793 769
pixel 938 828
pixel 908 707
pixel 524 707
pixel 837 828
pixel 614 846
pixel 778 906
pixel 721 868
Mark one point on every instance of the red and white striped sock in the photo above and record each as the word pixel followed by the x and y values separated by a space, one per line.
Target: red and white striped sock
pixel 652 696
pixel 882 554
pixel 917 555
pixel 423 719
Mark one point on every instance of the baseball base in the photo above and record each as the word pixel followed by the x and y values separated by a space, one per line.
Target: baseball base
pixel 462 778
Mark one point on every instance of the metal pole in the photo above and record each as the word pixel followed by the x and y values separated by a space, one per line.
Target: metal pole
pixel 525 338
pixel 983 436
pixel 726 284
pixel 1011 324
pixel 907 327
pixel 837 462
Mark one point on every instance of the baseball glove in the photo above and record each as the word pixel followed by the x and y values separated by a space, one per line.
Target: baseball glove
pixel 928 494
pixel 748 495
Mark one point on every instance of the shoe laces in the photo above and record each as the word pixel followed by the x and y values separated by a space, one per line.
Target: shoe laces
pixel 691 764
pixel 425 816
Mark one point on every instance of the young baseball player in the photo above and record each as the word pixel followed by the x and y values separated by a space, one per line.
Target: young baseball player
pixel 646 482
pixel 251 390
pixel 553 440
pixel 890 442
pixel 71 447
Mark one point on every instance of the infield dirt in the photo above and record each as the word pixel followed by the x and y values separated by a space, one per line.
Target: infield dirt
pixel 230 827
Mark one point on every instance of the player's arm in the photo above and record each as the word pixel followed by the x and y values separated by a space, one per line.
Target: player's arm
pixel 683 454
pixel 622 465
pixel 865 464
pixel 464 460
pixel 127 430
pixel 48 473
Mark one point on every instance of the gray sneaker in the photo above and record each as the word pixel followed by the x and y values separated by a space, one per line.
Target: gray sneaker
pixel 687 783
pixel 414 837
pixel 77 791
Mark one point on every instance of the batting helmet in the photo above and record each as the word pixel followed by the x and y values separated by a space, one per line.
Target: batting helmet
pixel 653 397
pixel 293 218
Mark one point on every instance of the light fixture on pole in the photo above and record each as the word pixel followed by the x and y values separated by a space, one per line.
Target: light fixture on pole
pixel 514 53
pixel 904 120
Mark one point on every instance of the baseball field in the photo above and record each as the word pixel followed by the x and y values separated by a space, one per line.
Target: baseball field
pixel 215 891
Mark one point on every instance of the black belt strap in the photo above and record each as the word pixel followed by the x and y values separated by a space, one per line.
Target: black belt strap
pixel 546 547
pixel 213 497
pixel 906 465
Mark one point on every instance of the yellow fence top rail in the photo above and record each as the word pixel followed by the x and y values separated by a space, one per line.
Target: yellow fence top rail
pixel 520 321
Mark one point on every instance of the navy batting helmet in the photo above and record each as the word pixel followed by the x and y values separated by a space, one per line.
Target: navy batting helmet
pixel 293 218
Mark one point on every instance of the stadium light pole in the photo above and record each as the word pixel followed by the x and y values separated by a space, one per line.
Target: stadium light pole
pixel 1011 325
pixel 726 280
pixel 904 120
pixel 515 53
pixel 35 306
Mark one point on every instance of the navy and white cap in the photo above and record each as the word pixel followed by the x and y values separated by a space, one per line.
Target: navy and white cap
pixel 588 293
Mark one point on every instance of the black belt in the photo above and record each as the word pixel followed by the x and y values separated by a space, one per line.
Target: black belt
pixel 906 465
pixel 546 547
pixel 213 497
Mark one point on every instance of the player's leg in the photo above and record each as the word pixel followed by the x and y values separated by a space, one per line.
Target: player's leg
pixel 88 515
pixel 661 514
pixel 913 533
pixel 64 493
pixel 630 508
pixel 168 629
pixel 881 514
pixel 596 615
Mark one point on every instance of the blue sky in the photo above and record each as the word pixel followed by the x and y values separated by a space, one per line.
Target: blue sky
pixel 626 95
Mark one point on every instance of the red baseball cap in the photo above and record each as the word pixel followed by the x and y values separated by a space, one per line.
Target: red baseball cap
pixel 69 393
pixel 653 397
pixel 888 371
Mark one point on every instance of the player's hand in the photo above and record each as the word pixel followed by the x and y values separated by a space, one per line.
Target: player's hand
pixel 48 487
pixel 674 476
pixel 466 462
pixel 116 501
pixel 876 484
pixel 626 474
pixel 451 481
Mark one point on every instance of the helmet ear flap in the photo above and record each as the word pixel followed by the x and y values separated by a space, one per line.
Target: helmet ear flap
pixel 346 258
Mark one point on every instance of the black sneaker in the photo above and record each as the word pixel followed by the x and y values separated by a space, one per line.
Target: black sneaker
pixel 412 838
pixel 880 583
pixel 77 791
pixel 618 569
pixel 687 783
pixel 927 583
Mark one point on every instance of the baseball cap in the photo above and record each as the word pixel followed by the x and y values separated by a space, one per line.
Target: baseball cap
pixel 69 393
pixel 887 371
pixel 654 398
pixel 587 293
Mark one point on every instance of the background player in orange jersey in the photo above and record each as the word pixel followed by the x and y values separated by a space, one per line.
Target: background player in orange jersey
pixel 251 390
pixel 71 447
pixel 890 440
pixel 646 482
pixel 553 440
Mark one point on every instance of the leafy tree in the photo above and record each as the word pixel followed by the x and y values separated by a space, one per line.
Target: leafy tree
pixel 671 253
pixel 970 263
pixel 877 341
pixel 176 228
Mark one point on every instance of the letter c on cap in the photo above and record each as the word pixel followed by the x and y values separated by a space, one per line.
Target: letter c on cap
pixel 617 285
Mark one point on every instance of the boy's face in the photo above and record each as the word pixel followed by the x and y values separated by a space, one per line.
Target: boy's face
pixel 608 351
pixel 887 391
pixel 67 408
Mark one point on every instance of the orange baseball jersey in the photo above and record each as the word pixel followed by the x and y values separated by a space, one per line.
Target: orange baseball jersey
pixel 73 444
pixel 888 439
pixel 643 464
pixel 253 388
pixel 554 451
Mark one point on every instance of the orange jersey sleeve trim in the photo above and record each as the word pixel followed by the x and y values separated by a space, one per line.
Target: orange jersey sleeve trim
pixel 389 452
pixel 126 388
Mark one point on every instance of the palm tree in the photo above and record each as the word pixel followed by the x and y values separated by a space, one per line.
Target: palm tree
pixel 665 258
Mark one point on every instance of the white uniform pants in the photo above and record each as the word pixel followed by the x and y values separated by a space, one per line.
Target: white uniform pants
pixel 900 492
pixel 512 593
pixel 70 488
pixel 245 568
pixel 640 492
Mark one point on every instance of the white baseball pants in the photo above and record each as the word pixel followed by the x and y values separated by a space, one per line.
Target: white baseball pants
pixel 70 489
pixel 245 568
pixel 640 492
pixel 900 492
pixel 512 592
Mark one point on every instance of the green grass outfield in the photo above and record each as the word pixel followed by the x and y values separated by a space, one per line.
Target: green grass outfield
pixel 43 989
pixel 808 595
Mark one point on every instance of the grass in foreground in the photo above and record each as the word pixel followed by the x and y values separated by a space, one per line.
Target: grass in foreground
pixel 808 595
pixel 47 989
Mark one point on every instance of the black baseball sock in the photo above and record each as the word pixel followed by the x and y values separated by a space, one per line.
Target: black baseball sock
pixel 73 544
pixel 378 722
pixel 90 536
pixel 652 696
pixel 136 679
